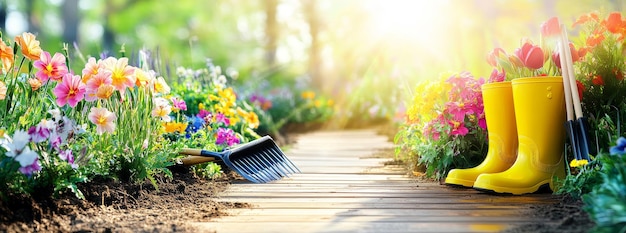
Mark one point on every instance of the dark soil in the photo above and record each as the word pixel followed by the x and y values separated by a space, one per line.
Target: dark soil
pixel 112 206
pixel 568 214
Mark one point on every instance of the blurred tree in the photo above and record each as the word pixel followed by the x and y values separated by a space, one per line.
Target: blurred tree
pixel 313 20
pixel 33 20
pixel 3 14
pixel 71 19
pixel 271 32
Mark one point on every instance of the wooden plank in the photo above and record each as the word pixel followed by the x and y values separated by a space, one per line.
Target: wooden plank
pixel 349 227
pixel 376 212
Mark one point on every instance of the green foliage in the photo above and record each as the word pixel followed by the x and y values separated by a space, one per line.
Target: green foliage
pixel 605 203
pixel 209 170
pixel 582 181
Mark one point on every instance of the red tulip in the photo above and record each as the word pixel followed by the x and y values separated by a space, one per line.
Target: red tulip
pixel 556 56
pixel 551 27
pixel 530 55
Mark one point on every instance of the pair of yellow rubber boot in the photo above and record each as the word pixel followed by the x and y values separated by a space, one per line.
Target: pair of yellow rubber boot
pixel 526 137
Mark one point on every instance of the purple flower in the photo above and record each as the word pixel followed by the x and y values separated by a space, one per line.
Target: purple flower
pixel 30 169
pixel 39 133
pixel 226 136
pixel 203 113
pixel 67 155
pixel 620 148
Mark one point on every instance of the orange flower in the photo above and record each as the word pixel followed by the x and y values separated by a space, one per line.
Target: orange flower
pixel 614 22
pixel 29 45
pixel 595 39
pixel 6 55
pixel 35 84
pixel 3 91
pixel 585 18
pixel 597 80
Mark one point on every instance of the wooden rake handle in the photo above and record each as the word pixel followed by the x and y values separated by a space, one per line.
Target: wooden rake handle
pixel 194 157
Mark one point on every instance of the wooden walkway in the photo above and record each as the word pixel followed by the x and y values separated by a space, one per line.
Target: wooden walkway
pixel 345 187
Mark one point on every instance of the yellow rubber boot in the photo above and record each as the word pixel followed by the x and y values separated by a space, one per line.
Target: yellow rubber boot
pixel 502 131
pixel 540 114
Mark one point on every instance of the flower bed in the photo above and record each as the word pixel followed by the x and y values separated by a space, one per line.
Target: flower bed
pixel 66 124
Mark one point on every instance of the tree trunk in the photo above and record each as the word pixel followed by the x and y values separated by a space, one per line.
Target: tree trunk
pixel 271 32
pixel 3 14
pixel 71 19
pixel 108 36
pixel 33 22
pixel 310 8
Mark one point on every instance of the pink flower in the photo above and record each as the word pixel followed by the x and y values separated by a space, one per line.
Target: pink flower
pixel 70 90
pixel 497 76
pixel 530 55
pixel 556 55
pixel 458 128
pixel 50 68
pixel 102 77
pixel 222 118
pixel 226 136
pixel 91 69
pixel 122 75
pixel 179 104
pixel 103 119
pixel 551 27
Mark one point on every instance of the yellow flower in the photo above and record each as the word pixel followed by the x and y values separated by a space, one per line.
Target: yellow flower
pixel 105 91
pixel 171 127
pixel 318 103
pixel 29 45
pixel 330 102
pixel 308 95
pixel 252 119
pixel 578 163
pixel 201 106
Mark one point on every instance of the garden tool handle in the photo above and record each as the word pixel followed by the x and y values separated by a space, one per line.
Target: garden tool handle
pixel 194 159
pixel 570 70
pixel 189 151
pixel 566 87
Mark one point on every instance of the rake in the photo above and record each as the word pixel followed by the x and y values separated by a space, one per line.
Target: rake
pixel 259 161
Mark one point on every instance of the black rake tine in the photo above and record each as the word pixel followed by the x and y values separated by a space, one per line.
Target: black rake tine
pixel 263 167
pixel 279 162
pixel 248 171
pixel 269 164
pixel 258 170
pixel 252 171
pixel 275 165
pixel 284 158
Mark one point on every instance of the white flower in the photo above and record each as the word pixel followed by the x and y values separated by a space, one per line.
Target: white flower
pixel 27 157
pixel 56 114
pixel 15 147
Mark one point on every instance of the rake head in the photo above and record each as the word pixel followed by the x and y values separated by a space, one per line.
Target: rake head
pixel 260 161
